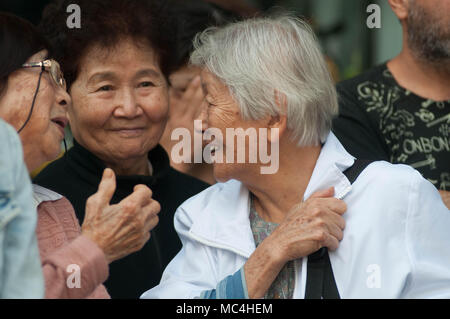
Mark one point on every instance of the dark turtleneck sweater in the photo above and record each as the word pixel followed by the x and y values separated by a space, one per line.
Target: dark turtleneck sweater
pixel 77 175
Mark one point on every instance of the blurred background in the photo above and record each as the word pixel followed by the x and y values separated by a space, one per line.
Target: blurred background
pixel 351 47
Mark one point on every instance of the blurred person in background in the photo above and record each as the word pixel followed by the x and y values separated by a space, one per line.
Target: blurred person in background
pixel 400 111
pixel 117 66
pixel 33 99
pixel 185 92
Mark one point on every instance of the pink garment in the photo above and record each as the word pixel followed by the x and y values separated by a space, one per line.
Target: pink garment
pixel 61 244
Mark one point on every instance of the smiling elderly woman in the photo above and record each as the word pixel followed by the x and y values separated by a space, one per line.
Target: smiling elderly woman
pixel 282 235
pixel 117 66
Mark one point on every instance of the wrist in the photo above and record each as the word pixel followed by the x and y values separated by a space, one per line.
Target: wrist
pixel 275 256
pixel 91 236
pixel 262 268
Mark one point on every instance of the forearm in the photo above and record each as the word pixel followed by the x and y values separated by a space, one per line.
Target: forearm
pixel 252 280
pixel 261 269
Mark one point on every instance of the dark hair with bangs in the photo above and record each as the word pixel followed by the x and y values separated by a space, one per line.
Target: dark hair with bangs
pixel 105 23
pixel 19 40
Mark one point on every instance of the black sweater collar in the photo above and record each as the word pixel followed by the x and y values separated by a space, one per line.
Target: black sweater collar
pixel 91 167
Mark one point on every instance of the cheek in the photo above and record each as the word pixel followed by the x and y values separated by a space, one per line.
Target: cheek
pixel 88 112
pixel 16 104
pixel 156 107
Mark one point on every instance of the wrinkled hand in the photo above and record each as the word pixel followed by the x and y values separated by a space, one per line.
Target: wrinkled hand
pixel 123 228
pixel 309 226
pixel 445 198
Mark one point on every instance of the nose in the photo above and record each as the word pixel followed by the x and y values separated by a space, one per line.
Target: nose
pixel 62 97
pixel 127 106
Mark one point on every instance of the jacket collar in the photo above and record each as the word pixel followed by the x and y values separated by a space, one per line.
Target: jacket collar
pixel 42 194
pixel 225 223
pixel 332 161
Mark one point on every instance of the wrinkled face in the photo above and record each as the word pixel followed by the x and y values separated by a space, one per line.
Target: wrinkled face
pixel 120 101
pixel 223 113
pixel 42 135
pixel 428 26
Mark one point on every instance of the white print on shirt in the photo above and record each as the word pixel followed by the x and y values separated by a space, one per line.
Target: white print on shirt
pixel 374 279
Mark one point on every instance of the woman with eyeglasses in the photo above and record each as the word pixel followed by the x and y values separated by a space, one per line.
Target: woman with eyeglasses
pixel 33 99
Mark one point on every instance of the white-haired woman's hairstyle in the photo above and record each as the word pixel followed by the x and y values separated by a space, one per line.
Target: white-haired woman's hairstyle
pixel 267 60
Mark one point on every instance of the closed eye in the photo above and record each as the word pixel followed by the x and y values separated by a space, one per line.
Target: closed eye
pixel 105 88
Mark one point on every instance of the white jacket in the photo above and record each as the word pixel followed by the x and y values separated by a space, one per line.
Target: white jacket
pixel 396 241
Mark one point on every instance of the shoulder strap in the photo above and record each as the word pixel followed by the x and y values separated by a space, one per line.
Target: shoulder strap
pixel 353 171
pixel 320 282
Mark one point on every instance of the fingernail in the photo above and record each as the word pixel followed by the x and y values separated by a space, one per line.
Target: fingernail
pixel 107 173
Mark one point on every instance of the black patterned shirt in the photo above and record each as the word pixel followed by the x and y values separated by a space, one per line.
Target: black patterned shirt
pixel 380 120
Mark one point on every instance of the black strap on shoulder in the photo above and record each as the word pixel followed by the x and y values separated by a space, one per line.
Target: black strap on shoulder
pixel 353 171
pixel 320 282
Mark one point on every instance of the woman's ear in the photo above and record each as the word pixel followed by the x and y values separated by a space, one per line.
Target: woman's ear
pixel 278 123
pixel 277 127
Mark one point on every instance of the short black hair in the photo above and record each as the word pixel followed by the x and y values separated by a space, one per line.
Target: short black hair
pixel 19 40
pixel 106 23
pixel 194 16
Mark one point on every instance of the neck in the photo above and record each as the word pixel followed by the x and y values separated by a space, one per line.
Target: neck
pixel 426 79
pixel 276 194
pixel 135 166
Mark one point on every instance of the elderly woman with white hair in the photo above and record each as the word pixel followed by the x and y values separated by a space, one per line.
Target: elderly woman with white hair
pixel 281 235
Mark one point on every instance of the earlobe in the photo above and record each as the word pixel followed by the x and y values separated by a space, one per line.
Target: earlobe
pixel 277 127
pixel 400 8
pixel 278 123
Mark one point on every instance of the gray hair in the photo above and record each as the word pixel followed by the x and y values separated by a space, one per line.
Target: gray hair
pixel 263 58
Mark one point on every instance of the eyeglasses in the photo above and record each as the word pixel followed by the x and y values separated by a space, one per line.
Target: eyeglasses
pixel 52 67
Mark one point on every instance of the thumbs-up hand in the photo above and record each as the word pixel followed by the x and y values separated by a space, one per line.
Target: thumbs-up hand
pixel 123 228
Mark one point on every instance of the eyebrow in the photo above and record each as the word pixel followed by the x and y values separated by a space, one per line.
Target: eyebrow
pixel 101 76
pixel 148 72
pixel 108 75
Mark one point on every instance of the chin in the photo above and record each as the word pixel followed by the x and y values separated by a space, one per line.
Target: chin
pixel 222 172
pixel 51 156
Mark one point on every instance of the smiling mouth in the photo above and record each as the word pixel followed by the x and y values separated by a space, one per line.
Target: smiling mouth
pixel 129 132
pixel 128 129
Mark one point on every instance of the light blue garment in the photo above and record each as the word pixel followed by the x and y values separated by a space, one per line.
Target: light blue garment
pixel 232 287
pixel 20 264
